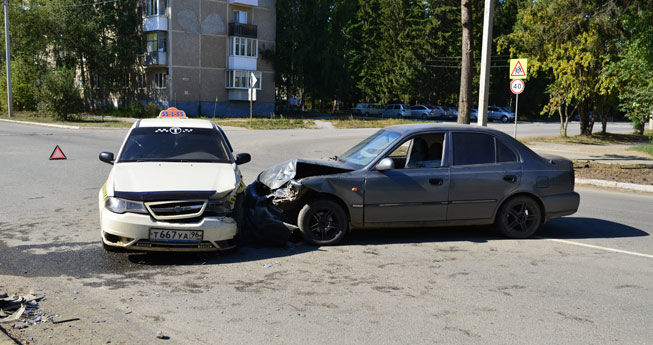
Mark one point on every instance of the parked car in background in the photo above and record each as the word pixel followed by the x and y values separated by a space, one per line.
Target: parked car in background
pixel 421 111
pixel 420 176
pixel 499 114
pixel 396 111
pixel 451 114
pixel 439 112
pixel 474 115
pixel 367 109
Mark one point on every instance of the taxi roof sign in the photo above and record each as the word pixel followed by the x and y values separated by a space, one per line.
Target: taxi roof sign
pixel 172 113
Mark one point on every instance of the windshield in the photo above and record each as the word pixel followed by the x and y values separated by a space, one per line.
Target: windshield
pixel 364 152
pixel 165 144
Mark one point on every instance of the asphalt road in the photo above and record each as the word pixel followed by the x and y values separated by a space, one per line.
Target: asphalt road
pixel 586 279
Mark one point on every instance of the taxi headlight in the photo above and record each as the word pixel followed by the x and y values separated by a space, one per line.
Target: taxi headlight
pixel 117 205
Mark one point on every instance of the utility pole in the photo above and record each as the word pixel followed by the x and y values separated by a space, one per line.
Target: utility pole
pixel 464 98
pixel 486 51
pixel 10 101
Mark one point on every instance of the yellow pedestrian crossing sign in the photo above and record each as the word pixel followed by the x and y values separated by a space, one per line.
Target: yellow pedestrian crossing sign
pixel 518 68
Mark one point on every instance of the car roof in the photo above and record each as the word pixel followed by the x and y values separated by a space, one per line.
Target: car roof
pixel 414 128
pixel 182 123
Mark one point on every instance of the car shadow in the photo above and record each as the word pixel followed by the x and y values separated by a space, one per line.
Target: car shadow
pixel 562 228
pixel 239 254
pixel 580 227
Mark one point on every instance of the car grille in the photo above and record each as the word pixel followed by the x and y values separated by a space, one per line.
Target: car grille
pixel 165 210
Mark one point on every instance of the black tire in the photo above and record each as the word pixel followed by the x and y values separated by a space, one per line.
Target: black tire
pixel 519 217
pixel 424 117
pixel 504 119
pixel 322 222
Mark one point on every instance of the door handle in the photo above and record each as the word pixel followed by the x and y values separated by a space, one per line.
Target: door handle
pixel 436 181
pixel 510 178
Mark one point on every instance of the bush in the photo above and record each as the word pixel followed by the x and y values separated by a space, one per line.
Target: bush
pixel 59 95
pixel 152 110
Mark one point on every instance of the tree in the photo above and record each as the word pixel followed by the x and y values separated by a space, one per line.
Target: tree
pixel 572 41
pixel 632 73
pixel 464 105
pixel 59 95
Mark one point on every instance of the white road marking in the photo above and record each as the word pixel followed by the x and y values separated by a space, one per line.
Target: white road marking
pixel 597 247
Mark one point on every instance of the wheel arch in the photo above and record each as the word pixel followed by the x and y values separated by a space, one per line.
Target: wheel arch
pixel 311 195
pixel 533 196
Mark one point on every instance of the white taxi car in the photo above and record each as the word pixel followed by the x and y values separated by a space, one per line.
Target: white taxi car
pixel 173 187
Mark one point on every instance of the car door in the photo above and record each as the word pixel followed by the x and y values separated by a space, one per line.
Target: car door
pixel 484 170
pixel 405 195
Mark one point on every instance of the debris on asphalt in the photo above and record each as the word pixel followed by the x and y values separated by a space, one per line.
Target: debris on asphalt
pixel 63 321
pixel 15 316
pixel 160 335
pixel 267 265
pixel 12 308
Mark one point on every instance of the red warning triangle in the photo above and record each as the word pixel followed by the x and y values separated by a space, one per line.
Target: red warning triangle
pixel 57 154
pixel 518 71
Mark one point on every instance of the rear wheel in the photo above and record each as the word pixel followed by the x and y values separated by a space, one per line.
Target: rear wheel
pixel 322 222
pixel 519 217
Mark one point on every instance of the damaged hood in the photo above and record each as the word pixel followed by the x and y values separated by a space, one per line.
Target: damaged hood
pixel 279 175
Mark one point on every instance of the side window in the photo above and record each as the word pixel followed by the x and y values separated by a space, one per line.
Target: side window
pixel 504 153
pixel 473 148
pixel 426 151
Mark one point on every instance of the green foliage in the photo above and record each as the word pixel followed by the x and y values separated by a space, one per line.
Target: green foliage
pixel 139 111
pixel 25 75
pixel 59 95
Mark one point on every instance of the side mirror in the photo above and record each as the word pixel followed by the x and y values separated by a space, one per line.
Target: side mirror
pixel 385 164
pixel 243 158
pixel 107 157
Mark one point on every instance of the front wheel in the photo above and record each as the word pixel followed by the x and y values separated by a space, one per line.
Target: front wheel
pixel 322 222
pixel 519 217
pixel 504 118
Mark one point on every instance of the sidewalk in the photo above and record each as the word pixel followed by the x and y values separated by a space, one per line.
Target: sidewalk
pixel 609 154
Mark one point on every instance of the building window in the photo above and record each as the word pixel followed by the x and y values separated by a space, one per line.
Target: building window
pixel 155 7
pixel 238 79
pixel 157 41
pixel 240 17
pixel 161 80
pixel 241 46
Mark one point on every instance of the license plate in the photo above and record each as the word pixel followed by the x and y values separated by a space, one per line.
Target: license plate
pixel 163 235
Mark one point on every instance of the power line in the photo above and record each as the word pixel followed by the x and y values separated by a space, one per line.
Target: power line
pixel 64 6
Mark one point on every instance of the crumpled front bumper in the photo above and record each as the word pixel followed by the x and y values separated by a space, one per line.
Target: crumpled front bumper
pixel 131 231
pixel 262 221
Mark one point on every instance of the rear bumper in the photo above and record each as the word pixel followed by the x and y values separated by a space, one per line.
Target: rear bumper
pixel 132 231
pixel 560 205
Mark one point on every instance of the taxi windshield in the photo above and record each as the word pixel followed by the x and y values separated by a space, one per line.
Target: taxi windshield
pixel 166 144
pixel 365 151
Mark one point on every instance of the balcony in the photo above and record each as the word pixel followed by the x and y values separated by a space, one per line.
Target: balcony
pixel 242 62
pixel 243 30
pixel 156 59
pixel 252 3
pixel 155 23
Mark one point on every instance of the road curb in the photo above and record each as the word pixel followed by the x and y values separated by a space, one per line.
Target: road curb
pixel 40 124
pixel 614 184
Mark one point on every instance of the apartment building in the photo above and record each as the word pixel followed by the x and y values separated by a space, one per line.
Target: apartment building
pixel 200 55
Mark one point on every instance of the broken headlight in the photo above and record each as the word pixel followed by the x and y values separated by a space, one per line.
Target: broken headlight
pixel 118 205
pixel 219 208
